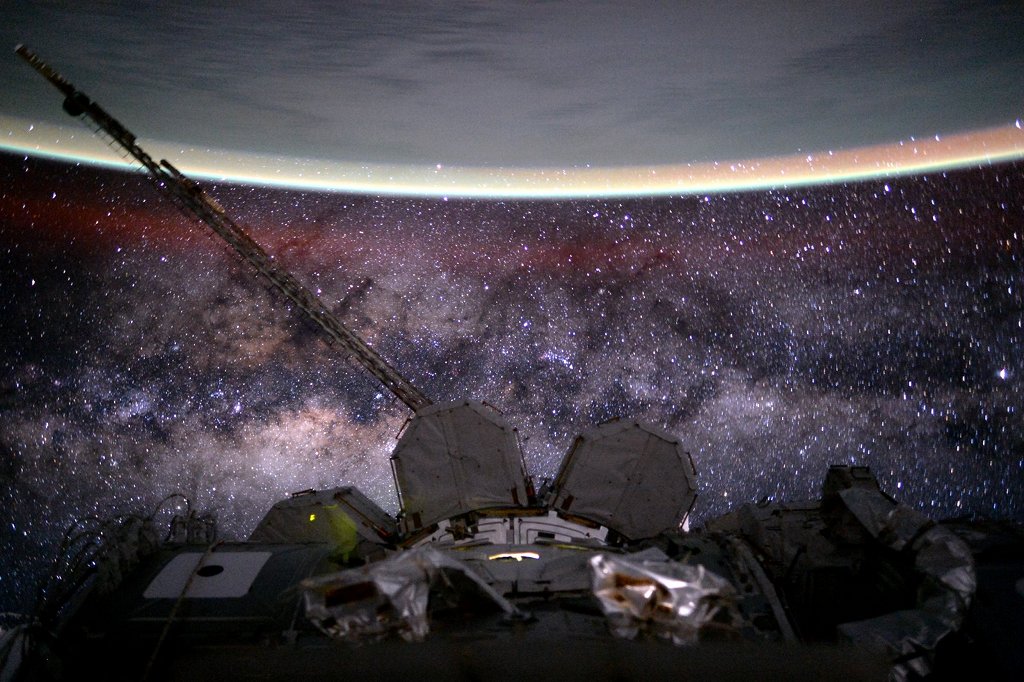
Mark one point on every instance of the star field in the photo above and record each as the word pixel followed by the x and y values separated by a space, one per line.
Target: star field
pixel 774 332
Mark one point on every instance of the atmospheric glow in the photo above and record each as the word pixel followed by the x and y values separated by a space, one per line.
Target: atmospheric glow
pixel 906 157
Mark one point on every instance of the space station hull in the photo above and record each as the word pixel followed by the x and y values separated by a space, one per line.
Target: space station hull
pixel 329 584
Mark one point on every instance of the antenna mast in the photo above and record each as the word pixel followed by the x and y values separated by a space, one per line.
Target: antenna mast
pixel 187 194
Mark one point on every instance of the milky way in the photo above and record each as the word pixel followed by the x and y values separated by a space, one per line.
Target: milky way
pixel 774 332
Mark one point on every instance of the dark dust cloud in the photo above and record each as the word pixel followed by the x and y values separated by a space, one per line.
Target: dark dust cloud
pixel 776 332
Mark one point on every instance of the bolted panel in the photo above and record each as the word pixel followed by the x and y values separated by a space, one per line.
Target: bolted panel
pixel 634 479
pixel 326 516
pixel 454 458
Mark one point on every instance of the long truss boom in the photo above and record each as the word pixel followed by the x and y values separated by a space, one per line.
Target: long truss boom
pixel 195 201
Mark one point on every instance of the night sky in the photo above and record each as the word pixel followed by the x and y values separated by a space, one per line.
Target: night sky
pixel 775 332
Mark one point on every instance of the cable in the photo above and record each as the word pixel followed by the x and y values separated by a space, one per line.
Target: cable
pixel 177 604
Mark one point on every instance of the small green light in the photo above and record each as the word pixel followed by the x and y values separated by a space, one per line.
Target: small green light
pixel 312 518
